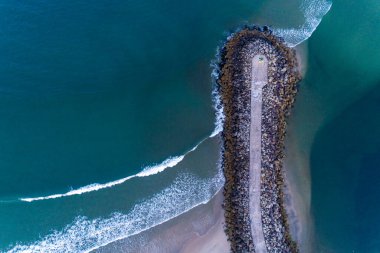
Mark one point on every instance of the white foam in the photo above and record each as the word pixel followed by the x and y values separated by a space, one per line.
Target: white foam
pixel 85 235
pixel 313 11
pixel 168 163
pixel 219 114
pixel 148 171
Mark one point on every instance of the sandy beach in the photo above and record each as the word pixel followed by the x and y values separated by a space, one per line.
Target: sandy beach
pixel 214 240
pixel 199 230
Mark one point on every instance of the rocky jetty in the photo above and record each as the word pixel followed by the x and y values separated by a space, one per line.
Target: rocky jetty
pixel 234 75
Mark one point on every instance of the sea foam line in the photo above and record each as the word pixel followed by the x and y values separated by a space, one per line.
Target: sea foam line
pixel 85 235
pixel 150 170
pixel 313 12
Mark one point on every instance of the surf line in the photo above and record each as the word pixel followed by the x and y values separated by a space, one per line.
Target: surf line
pixel 150 170
pixel 147 171
pixel 313 12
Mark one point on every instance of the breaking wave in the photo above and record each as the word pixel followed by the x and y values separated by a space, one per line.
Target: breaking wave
pixel 313 12
pixel 84 235
pixel 148 171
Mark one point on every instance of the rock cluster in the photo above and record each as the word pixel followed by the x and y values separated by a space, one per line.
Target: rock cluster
pixel 234 82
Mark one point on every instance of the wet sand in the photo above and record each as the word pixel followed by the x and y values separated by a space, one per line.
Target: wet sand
pixel 297 176
pixel 297 193
pixel 214 240
pixel 199 230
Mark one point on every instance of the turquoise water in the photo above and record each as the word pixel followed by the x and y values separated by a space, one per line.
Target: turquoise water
pixel 345 158
pixel 96 92
pixel 337 122
pixel 93 92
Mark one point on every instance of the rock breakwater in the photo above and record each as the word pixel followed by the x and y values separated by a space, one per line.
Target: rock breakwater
pixel 234 76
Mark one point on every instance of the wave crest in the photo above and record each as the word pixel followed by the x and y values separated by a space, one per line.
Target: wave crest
pixel 148 171
pixel 313 12
pixel 85 235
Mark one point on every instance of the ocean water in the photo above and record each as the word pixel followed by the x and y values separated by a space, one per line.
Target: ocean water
pixel 349 191
pixel 107 119
pixel 336 118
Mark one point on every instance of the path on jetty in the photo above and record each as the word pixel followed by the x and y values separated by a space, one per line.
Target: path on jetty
pixel 259 79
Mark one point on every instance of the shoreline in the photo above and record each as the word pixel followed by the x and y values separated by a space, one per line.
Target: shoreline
pixel 297 194
pixel 201 229
pixel 214 240
pixel 297 190
pixel 182 235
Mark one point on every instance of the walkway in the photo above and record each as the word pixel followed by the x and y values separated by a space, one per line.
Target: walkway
pixel 259 79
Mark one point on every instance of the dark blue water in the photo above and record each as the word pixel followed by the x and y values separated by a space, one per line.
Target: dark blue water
pixel 345 159
pixel 337 118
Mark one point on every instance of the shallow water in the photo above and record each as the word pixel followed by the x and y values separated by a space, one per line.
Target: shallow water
pixel 345 161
